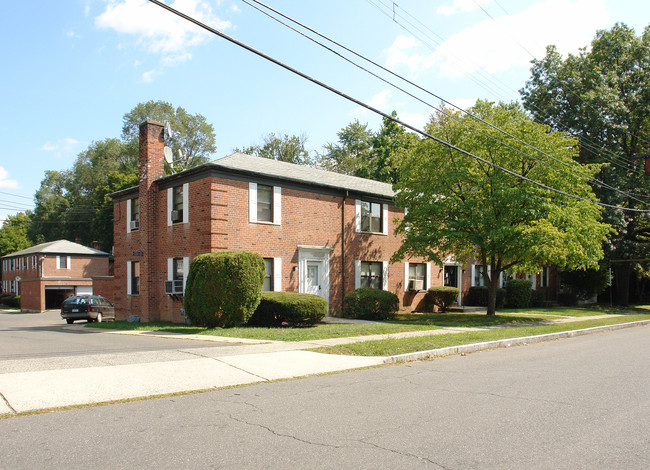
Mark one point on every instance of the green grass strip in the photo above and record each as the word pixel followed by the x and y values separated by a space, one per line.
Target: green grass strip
pixel 391 347
pixel 401 323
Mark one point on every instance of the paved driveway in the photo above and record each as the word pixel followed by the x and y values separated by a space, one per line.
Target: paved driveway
pixel 36 339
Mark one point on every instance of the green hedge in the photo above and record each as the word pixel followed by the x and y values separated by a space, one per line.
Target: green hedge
pixel 288 309
pixel 12 301
pixel 478 296
pixel 223 289
pixel 442 297
pixel 537 298
pixel 370 304
pixel 518 293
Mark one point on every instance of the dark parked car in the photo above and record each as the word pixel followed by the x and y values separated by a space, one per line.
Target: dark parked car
pixel 87 307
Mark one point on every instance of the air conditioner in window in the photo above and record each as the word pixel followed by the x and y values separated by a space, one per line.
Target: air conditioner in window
pixel 174 287
pixel 177 216
pixel 135 224
pixel 415 285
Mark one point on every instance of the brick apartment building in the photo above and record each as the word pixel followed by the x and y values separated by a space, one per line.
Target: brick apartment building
pixel 46 274
pixel 319 232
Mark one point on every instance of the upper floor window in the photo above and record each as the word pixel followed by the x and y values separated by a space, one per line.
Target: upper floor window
pixel 371 217
pixel 177 202
pixel 265 203
pixel 134 213
pixel 24 262
pixel 62 262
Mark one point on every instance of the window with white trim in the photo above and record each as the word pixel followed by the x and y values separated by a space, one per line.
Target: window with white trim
pixel 177 204
pixel 543 277
pixel 371 217
pixel 62 262
pixel 265 203
pixel 268 275
pixel 133 214
pixel 135 278
pixel 477 275
pixel 417 276
pixel 371 274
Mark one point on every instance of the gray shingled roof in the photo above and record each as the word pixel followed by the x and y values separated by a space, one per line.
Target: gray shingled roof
pixel 303 174
pixel 63 247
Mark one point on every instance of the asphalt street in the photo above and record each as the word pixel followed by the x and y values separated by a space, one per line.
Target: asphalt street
pixel 41 336
pixel 573 403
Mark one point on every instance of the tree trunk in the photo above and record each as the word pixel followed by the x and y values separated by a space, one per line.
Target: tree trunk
pixel 622 272
pixel 492 295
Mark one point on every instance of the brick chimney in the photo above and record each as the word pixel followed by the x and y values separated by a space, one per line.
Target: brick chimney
pixel 152 157
pixel 96 245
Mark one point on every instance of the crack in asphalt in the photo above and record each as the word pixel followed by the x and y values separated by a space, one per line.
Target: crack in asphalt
pixel 404 454
pixel 275 433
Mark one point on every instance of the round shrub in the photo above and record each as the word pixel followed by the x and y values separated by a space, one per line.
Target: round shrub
pixel 537 298
pixel 10 300
pixel 518 293
pixel 223 289
pixel 370 304
pixel 477 296
pixel 442 297
pixel 288 308
pixel 501 298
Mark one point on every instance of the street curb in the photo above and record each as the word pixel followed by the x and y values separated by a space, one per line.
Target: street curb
pixel 506 343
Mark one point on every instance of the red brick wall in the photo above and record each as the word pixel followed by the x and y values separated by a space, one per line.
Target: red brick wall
pixel 218 216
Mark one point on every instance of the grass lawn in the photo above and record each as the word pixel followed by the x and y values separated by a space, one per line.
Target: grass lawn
pixel 410 322
pixel 575 311
pixel 389 347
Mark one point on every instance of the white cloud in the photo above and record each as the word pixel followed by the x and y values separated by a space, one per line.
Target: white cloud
pixel 5 182
pixel 72 34
pixel 460 6
pixel 158 30
pixel 147 76
pixel 378 101
pixel 417 120
pixel 65 145
pixel 494 46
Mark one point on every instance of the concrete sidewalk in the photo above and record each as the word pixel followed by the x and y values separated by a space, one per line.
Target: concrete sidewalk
pixel 37 384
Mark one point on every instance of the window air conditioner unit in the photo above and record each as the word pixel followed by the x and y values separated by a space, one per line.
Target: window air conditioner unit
pixel 415 285
pixel 177 216
pixel 135 224
pixel 174 287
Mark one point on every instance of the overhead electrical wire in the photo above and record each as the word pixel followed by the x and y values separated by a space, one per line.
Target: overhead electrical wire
pixel 627 131
pixel 586 142
pixel 477 118
pixel 375 110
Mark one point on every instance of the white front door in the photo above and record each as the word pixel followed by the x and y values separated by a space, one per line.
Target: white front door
pixel 313 284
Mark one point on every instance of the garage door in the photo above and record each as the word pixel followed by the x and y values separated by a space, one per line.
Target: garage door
pixel 84 290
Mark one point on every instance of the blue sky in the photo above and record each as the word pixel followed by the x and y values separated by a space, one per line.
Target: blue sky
pixel 72 69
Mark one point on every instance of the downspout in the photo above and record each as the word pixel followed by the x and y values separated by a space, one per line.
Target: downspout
pixel 343 248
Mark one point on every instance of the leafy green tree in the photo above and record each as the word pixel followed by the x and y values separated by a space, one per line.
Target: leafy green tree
pixel 381 162
pixel 461 206
pixel 282 148
pixel 52 208
pixel 348 154
pixel 602 96
pixel 13 234
pixel 191 132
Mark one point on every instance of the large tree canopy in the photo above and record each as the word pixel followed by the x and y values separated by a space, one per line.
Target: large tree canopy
pixel 460 206
pixel 192 134
pixel 13 233
pixel 602 96
pixel 284 148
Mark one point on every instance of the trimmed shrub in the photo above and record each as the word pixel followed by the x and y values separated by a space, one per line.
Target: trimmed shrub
pixel 501 298
pixel 567 299
pixel 537 298
pixel 288 308
pixel 223 289
pixel 518 293
pixel 370 304
pixel 10 301
pixel 442 297
pixel 477 296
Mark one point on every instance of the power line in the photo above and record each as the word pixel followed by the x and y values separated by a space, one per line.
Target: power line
pixel 375 110
pixel 585 141
pixel 477 118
